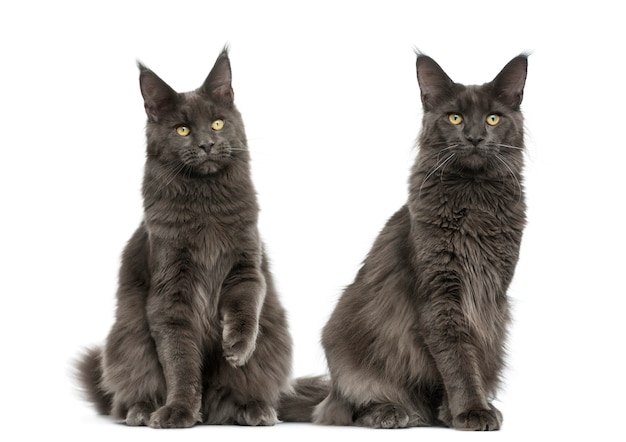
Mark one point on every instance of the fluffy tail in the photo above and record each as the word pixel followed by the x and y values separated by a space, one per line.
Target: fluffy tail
pixel 299 403
pixel 89 373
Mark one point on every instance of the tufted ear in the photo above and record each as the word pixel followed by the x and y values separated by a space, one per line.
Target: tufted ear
pixel 217 85
pixel 435 85
pixel 158 97
pixel 509 83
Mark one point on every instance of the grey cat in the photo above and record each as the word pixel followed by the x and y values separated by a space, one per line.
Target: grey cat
pixel 418 338
pixel 199 335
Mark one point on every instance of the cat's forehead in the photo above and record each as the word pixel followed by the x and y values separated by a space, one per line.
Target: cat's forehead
pixel 196 105
pixel 474 97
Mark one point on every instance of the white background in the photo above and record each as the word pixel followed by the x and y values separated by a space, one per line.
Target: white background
pixel 331 104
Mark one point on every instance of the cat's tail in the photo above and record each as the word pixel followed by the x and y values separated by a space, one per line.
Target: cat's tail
pixel 89 374
pixel 298 404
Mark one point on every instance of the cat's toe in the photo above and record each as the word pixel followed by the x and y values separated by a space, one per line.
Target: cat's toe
pixel 478 420
pixel 238 351
pixel 173 416
pixel 139 414
pixel 258 414
pixel 383 416
pixel 239 342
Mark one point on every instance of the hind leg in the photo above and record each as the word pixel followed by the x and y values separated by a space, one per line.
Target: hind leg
pixel 335 410
pixel 385 415
pixel 362 400
pixel 132 373
pixel 139 414
pixel 224 406
pixel 246 395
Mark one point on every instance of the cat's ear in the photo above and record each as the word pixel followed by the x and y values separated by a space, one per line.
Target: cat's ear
pixel 217 85
pixel 509 83
pixel 158 97
pixel 435 85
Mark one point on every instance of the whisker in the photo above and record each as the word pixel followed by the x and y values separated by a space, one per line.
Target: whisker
pixel 509 146
pixel 445 149
pixel 438 165
pixel 438 143
pixel 510 170
pixel 165 178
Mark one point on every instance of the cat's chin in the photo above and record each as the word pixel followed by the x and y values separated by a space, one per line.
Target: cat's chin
pixel 206 168
pixel 475 159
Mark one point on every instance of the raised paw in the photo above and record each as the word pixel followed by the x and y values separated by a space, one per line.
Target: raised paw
pixel 173 416
pixel 382 416
pixel 239 340
pixel 478 420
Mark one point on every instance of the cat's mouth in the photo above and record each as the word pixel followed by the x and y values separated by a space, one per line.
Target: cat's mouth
pixel 199 162
pixel 474 157
pixel 208 165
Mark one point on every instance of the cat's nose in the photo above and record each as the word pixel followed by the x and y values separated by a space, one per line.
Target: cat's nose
pixel 474 139
pixel 207 146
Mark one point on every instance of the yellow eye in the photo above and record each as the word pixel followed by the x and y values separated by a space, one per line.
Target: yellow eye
pixel 217 125
pixel 493 119
pixel 183 131
pixel 455 119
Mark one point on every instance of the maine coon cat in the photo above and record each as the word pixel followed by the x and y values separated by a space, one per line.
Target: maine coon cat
pixel 418 338
pixel 199 334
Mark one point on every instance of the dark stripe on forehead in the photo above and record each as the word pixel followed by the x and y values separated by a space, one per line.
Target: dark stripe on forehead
pixel 474 98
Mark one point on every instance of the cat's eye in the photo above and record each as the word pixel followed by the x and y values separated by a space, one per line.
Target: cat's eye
pixel 183 131
pixel 455 119
pixel 217 125
pixel 493 119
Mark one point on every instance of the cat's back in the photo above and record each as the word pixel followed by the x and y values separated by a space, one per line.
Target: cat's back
pixel 375 311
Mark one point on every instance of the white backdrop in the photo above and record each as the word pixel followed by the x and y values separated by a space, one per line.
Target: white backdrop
pixel 331 104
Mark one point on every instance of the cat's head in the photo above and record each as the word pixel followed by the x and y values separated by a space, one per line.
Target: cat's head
pixel 198 132
pixel 473 128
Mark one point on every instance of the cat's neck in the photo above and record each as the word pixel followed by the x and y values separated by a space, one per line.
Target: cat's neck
pixel 449 193
pixel 229 189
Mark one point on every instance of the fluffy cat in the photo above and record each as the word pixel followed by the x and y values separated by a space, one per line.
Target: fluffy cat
pixel 418 338
pixel 199 335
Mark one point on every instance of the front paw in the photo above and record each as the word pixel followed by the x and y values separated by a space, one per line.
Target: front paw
pixel 173 416
pixel 239 340
pixel 478 420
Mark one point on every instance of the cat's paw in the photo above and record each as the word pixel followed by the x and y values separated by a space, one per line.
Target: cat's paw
pixel 257 414
pixel 478 420
pixel 383 416
pixel 239 340
pixel 173 416
pixel 139 414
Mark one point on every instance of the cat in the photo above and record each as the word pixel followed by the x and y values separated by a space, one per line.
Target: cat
pixel 418 338
pixel 200 334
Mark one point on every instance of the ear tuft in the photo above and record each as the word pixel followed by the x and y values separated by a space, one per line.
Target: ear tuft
pixel 435 85
pixel 218 84
pixel 509 83
pixel 159 98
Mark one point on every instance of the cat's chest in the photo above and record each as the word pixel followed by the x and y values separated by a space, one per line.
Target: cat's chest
pixel 474 222
pixel 482 211
pixel 203 241
pixel 479 233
